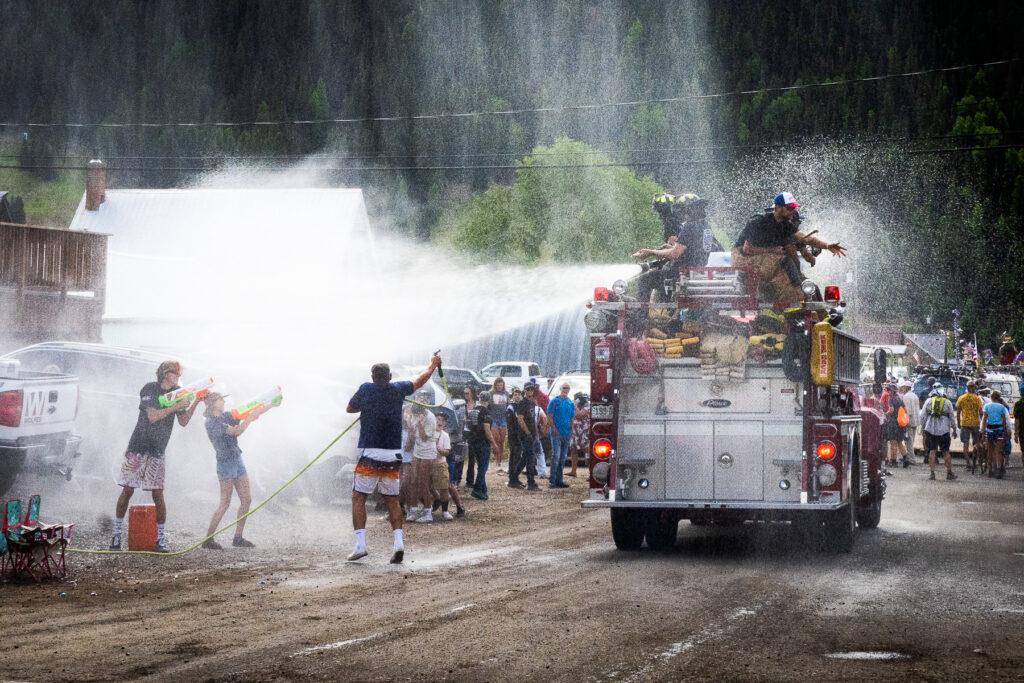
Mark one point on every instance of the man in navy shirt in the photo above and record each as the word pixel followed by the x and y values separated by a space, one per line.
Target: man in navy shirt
pixel 380 449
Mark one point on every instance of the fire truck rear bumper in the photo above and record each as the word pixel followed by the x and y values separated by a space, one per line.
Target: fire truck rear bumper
pixel 752 506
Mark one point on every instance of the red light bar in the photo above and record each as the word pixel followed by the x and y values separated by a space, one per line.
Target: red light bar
pixel 831 293
pixel 600 294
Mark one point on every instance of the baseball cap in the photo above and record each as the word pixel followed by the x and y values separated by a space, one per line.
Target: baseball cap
pixel 904 384
pixel 212 397
pixel 786 199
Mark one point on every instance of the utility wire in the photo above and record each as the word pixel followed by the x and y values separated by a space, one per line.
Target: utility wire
pixel 481 167
pixel 514 112
pixel 469 155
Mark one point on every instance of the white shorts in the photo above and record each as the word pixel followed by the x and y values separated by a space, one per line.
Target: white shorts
pixel 376 476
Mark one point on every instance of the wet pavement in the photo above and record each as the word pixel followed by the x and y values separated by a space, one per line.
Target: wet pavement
pixel 530 587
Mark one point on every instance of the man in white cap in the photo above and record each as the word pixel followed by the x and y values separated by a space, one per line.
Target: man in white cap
pixel 761 248
pixel 913 406
pixel 937 416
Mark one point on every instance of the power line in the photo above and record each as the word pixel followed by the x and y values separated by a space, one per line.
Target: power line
pixel 520 154
pixel 516 112
pixel 480 167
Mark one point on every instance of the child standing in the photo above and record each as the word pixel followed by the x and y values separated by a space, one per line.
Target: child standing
pixel 224 431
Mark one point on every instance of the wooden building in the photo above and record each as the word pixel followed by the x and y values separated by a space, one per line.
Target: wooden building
pixel 52 284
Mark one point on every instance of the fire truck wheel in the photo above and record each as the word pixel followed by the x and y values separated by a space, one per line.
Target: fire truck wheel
pixel 841 528
pixel 660 530
pixel 870 514
pixel 627 529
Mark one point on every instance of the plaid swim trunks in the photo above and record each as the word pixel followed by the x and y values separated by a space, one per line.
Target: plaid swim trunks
pixel 140 471
pixel 371 476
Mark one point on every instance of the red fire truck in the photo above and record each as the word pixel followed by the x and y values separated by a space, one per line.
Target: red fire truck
pixel 778 432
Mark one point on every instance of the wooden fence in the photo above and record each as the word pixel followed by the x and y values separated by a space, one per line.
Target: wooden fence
pixel 52 283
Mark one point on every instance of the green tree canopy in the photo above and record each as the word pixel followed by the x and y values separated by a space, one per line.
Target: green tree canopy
pixel 588 212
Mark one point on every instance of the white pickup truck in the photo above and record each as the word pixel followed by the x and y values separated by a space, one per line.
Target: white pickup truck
pixel 37 422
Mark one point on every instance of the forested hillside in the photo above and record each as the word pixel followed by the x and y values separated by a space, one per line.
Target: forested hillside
pixel 286 63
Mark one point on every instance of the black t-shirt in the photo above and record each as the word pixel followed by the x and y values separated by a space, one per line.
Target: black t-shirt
pixel 150 438
pixel 513 423
pixel 525 409
pixel 691 236
pixel 765 232
pixel 475 421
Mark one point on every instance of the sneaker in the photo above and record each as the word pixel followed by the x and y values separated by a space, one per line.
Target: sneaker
pixel 413 515
pixel 115 542
pixel 479 496
pixel 212 545
pixel 240 542
pixel 161 546
pixel 447 516
pixel 426 518
pixel 931 477
pixel 398 556
pixel 563 485
pixel 460 512
pixel 533 487
pixel 515 485
pixel 357 554
pixel 906 463
pixel 950 476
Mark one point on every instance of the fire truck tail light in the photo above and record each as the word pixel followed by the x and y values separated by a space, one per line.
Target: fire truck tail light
pixel 826 450
pixel 600 294
pixel 831 293
pixel 602 448
pixel 10 408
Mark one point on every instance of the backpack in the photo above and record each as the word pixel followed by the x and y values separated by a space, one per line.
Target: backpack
pixel 938 405
pixel 902 419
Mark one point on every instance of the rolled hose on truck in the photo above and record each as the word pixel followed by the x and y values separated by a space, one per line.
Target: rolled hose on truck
pixel 262 503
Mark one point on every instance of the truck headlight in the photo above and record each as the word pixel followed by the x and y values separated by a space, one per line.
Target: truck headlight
pixel 619 287
pixel 809 289
pixel 827 475
pixel 600 472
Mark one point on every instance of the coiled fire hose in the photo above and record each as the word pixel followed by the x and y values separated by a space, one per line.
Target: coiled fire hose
pixel 262 503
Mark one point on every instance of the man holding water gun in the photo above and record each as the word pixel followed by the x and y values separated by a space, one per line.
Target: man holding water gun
pixel 143 465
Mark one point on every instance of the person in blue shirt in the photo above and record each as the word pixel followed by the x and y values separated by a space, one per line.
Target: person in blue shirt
pixel 224 431
pixel 561 410
pixel 379 403
pixel 997 431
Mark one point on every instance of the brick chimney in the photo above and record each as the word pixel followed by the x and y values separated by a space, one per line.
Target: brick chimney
pixel 95 185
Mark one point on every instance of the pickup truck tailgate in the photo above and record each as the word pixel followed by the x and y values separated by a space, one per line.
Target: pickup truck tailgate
pixel 48 404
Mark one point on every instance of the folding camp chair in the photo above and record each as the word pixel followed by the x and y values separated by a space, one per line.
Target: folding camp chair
pixel 53 538
pixel 4 557
pixel 24 553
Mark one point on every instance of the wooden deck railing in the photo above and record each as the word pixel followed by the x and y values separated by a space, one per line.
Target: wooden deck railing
pixel 39 266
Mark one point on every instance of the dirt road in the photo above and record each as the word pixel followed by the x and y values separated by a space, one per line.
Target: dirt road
pixel 529 587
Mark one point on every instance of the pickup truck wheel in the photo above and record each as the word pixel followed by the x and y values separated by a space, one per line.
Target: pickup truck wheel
pixel 869 515
pixel 841 528
pixel 660 530
pixel 9 470
pixel 627 529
